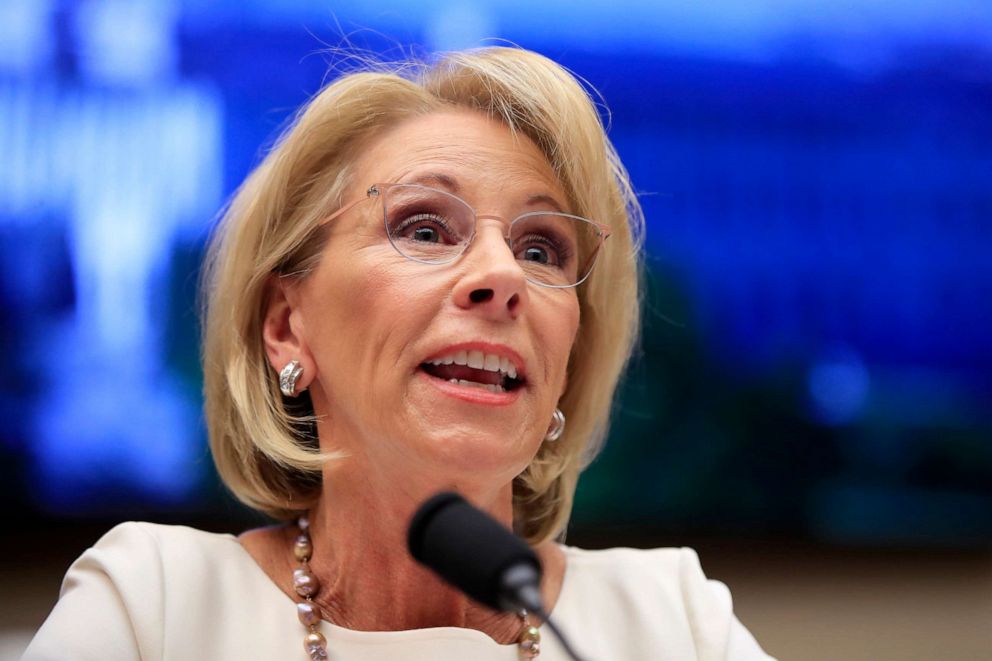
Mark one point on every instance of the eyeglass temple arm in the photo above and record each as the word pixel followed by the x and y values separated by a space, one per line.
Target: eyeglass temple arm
pixel 373 191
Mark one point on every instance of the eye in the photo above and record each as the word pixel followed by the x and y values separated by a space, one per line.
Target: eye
pixel 426 234
pixel 540 249
pixel 546 241
pixel 535 254
pixel 424 228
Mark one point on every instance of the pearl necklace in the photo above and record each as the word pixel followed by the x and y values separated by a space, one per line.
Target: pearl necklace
pixel 306 585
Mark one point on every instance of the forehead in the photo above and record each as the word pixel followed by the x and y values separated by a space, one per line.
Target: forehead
pixel 480 153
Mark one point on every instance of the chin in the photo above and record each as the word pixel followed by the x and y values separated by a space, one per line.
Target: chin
pixel 477 455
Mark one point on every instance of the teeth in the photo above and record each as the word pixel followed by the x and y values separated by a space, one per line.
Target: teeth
pixel 480 361
pixel 472 384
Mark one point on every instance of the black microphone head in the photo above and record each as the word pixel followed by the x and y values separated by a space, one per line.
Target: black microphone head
pixel 468 548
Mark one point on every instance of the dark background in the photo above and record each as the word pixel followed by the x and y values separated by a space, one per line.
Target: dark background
pixel 817 351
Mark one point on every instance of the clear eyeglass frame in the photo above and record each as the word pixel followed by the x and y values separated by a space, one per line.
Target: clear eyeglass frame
pixel 596 233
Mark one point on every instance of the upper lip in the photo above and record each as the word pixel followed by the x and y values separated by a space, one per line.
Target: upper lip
pixel 519 368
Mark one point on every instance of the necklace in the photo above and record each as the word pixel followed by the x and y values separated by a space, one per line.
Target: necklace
pixel 306 585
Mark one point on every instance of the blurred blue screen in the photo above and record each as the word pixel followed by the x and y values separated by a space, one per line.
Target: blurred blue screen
pixel 817 352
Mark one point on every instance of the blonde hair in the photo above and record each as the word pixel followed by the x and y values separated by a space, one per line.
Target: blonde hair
pixel 263 445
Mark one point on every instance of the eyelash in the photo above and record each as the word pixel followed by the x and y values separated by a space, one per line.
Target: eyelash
pixel 561 251
pixel 412 218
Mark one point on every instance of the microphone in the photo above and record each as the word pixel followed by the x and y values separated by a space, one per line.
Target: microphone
pixel 476 554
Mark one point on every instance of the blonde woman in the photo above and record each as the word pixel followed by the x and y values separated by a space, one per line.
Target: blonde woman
pixel 430 283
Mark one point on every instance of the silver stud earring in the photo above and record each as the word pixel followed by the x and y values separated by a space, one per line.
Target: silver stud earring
pixel 289 377
pixel 557 426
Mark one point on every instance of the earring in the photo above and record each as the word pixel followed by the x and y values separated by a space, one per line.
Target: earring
pixel 289 377
pixel 557 426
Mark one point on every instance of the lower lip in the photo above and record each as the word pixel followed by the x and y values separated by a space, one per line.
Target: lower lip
pixel 471 393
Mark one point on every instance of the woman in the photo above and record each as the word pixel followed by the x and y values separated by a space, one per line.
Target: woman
pixel 401 300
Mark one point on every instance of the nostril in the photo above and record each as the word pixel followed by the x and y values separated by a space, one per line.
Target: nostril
pixel 481 295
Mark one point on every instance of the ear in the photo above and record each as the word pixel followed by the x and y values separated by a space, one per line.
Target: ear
pixel 283 329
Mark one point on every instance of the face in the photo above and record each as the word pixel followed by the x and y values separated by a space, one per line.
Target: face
pixel 385 335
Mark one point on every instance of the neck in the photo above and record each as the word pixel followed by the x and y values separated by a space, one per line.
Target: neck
pixel 368 579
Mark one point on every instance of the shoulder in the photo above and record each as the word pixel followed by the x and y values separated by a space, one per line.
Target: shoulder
pixel 140 534
pixel 141 559
pixel 623 558
pixel 113 600
pixel 662 591
pixel 143 552
pixel 145 558
pixel 666 568
pixel 116 596
pixel 666 577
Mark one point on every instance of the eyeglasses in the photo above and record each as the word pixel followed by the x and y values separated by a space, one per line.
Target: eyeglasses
pixel 432 226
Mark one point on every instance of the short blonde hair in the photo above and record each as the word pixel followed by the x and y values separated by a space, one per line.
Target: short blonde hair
pixel 263 445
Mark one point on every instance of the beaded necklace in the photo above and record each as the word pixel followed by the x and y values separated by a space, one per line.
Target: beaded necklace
pixel 306 585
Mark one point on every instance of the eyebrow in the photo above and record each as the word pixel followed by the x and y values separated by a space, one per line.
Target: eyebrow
pixel 437 179
pixel 545 199
pixel 450 184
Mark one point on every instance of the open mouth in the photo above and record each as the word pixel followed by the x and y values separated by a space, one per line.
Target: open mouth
pixel 475 369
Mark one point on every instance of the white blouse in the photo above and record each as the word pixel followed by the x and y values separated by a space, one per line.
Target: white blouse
pixel 151 592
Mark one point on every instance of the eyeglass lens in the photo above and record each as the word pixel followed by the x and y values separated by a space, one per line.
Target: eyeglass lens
pixel 432 226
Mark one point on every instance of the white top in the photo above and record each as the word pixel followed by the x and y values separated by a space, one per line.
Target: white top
pixel 150 592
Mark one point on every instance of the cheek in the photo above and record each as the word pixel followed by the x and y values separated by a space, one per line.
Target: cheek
pixel 347 281
pixel 392 295
pixel 563 324
pixel 358 304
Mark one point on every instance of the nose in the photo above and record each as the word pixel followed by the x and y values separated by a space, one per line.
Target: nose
pixel 493 283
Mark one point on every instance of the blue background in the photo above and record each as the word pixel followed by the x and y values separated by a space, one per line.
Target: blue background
pixel 817 179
